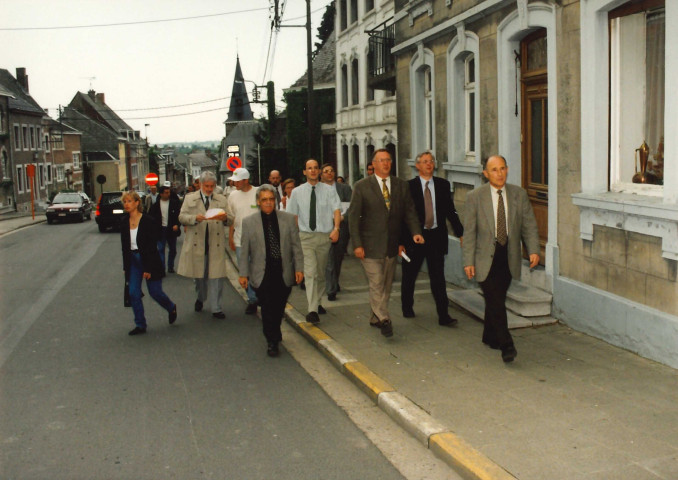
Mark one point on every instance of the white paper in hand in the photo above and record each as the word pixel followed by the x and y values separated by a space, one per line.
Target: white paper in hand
pixel 405 257
pixel 213 212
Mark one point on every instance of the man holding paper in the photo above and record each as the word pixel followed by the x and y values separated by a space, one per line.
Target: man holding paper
pixel 203 256
pixel 381 203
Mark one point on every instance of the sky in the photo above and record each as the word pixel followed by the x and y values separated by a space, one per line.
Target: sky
pixel 141 67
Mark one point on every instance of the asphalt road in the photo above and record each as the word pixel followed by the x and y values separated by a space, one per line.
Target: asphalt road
pixel 80 399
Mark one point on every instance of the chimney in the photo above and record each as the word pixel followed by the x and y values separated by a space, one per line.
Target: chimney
pixel 22 78
pixel 101 98
pixel 91 93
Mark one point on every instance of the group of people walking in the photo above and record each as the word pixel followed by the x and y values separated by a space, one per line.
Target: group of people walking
pixel 285 236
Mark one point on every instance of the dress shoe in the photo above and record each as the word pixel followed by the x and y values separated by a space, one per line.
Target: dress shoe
pixel 386 328
pixel 508 354
pixel 272 349
pixel 332 297
pixel 219 315
pixel 321 310
pixel 408 312
pixel 198 306
pixel 251 309
pixel 173 315
pixel 313 317
pixel 137 331
pixel 447 321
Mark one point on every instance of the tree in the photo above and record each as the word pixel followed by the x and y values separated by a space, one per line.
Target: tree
pixel 326 27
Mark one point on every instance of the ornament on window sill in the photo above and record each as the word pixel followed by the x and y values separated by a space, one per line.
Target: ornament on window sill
pixel 642 175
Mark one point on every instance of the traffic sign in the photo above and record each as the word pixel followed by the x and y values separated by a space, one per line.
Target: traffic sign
pixel 233 162
pixel 151 179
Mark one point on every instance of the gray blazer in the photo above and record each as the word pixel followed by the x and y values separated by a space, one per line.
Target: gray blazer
pixel 344 191
pixel 253 248
pixel 372 225
pixel 479 229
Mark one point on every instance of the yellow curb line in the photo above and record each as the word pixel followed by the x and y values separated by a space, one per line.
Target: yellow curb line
pixel 465 459
pixel 367 380
pixel 312 332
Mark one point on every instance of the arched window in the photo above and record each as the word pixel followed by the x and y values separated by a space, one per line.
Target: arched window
pixel 355 82
pixel 344 85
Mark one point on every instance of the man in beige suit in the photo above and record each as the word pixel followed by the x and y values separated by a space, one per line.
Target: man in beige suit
pixel 381 203
pixel 203 256
pixel 498 215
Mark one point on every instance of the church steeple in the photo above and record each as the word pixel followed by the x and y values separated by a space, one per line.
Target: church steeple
pixel 239 109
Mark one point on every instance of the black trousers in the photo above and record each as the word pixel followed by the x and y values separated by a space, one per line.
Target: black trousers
pixel 272 295
pixel 496 333
pixel 432 252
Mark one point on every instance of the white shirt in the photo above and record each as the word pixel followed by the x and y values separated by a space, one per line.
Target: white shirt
pixel 327 202
pixel 133 238
pixel 432 188
pixel 240 205
pixel 495 203
pixel 381 183
pixel 164 211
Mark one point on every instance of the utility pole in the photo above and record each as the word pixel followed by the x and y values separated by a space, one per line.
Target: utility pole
pixel 309 56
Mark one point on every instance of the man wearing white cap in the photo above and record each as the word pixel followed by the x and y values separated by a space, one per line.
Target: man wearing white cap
pixel 241 204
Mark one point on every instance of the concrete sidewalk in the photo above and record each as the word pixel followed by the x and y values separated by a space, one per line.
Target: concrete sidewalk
pixel 14 221
pixel 570 406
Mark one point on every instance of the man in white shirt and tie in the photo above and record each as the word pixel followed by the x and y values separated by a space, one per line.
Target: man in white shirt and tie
pixel 318 210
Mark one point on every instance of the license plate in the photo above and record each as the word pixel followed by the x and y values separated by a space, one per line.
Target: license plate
pixel 62 214
pixel 118 211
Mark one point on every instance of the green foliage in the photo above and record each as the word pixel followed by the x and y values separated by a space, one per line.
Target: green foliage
pixel 326 27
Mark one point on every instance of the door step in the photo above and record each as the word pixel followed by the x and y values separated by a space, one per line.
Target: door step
pixel 526 306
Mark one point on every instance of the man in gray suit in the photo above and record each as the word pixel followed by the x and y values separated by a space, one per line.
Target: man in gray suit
pixel 271 261
pixel 337 250
pixel 498 215
pixel 381 203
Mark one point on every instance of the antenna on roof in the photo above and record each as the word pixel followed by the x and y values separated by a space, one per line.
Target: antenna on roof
pixel 91 79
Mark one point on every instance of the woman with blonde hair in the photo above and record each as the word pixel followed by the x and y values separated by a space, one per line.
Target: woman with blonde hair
pixel 141 260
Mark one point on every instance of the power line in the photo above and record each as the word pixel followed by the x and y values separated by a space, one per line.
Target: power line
pixel 141 22
pixel 170 106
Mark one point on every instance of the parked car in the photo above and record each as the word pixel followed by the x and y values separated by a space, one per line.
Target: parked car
pixel 109 211
pixel 68 206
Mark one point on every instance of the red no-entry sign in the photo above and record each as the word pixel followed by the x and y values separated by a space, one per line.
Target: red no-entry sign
pixel 233 162
pixel 151 179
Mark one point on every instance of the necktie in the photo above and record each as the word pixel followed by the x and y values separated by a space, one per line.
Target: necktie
pixel 311 222
pixel 207 230
pixel 502 236
pixel 277 197
pixel 428 207
pixel 387 196
pixel 273 242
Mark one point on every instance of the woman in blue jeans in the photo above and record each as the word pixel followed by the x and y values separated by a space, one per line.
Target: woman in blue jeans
pixel 141 260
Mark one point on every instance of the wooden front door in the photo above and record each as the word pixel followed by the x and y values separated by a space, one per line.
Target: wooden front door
pixel 534 128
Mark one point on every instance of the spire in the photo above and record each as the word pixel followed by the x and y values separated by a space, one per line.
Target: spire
pixel 240 103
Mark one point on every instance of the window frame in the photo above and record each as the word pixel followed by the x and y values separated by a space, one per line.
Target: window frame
pixel 77 161
pixel 20 179
pixel 17 137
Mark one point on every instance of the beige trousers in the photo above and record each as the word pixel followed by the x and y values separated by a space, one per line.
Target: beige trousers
pixel 380 273
pixel 316 248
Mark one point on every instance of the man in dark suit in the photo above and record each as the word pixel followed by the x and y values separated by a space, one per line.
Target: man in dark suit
pixel 337 250
pixel 498 215
pixel 434 204
pixel 166 212
pixel 271 260
pixel 381 203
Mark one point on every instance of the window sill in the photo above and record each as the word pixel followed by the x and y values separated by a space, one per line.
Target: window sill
pixel 642 214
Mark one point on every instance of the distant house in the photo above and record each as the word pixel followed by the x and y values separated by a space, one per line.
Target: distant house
pixel 24 119
pixel 200 161
pixel 63 152
pixel 102 153
pixel 134 153
pixel 6 182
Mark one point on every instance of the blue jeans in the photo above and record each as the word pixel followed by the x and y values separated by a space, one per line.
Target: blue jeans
pixel 251 294
pixel 136 276
pixel 167 237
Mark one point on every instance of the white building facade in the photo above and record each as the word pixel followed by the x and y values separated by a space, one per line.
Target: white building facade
pixel 366 111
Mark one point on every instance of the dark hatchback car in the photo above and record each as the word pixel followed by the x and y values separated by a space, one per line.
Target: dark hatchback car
pixel 109 211
pixel 68 206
